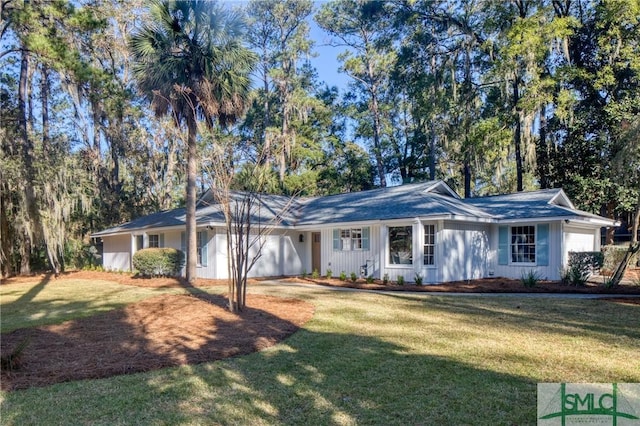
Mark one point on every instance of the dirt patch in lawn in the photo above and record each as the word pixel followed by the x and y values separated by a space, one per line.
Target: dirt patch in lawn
pixel 158 332
pixel 486 285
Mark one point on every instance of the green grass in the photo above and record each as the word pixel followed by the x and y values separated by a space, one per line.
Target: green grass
pixel 369 359
pixel 48 301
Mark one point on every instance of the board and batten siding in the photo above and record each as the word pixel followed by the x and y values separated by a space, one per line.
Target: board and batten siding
pixel 281 255
pixel 116 252
pixel 550 271
pixel 462 251
pixel 352 260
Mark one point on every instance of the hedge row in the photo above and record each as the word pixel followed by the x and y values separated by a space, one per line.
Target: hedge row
pixel 613 256
pixel 155 262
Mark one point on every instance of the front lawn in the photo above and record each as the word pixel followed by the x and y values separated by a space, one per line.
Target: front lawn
pixel 362 359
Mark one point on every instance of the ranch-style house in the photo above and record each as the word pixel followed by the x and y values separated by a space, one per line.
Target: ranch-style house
pixel 423 229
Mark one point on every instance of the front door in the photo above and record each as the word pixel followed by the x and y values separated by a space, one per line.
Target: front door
pixel 315 252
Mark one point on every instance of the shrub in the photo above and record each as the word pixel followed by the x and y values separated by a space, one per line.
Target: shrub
pixel 354 277
pixel 343 276
pixel 590 261
pixel 418 279
pixel 385 279
pixel 329 273
pixel 12 360
pixel 78 255
pixel 154 262
pixel 400 280
pixel 530 278
pixel 370 279
pixel 304 273
pixel 315 274
pixel 581 266
pixel 574 275
pixel 613 255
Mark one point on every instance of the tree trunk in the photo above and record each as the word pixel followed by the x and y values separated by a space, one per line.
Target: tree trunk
pixel 377 149
pixel 6 267
pixel 467 178
pixel 432 153
pixel 27 159
pixel 542 155
pixel 517 135
pixel 192 250
pixel 44 89
pixel 266 146
pixel 25 254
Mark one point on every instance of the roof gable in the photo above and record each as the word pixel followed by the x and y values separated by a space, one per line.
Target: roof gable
pixel 440 187
pixel 561 199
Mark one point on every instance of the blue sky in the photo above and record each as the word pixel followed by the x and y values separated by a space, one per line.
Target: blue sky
pixel 326 61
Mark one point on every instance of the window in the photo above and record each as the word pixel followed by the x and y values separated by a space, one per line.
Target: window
pixel 351 239
pixel 154 240
pixel 523 244
pixel 345 239
pixel 400 245
pixel 199 242
pixel 429 244
pixel 356 239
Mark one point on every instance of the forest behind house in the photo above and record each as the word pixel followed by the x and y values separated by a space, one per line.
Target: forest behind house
pixel 490 96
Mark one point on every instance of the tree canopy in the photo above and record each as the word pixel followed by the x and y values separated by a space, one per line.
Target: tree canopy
pixel 108 108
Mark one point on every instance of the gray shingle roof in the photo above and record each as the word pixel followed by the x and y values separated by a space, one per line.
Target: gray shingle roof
pixel 399 202
pixel 427 199
pixel 542 204
pixel 267 210
pixel 521 205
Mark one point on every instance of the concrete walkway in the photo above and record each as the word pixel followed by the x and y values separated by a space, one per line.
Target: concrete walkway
pixel 443 293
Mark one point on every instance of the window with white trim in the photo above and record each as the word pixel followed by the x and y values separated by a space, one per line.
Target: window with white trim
pixel 154 240
pixel 351 239
pixel 523 244
pixel 356 239
pixel 345 239
pixel 400 245
pixel 429 244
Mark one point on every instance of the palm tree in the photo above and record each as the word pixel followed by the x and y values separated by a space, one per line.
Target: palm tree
pixel 190 62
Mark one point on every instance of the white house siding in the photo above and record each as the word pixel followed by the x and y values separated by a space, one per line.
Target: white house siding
pixel 281 255
pixel 349 261
pixel 116 252
pixel 516 271
pixel 462 251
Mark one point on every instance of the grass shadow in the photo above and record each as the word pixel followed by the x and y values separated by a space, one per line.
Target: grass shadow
pixel 314 378
pixel 543 314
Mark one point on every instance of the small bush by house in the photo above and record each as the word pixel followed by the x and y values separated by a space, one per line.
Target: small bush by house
pixel 155 262
pixel 582 265
pixel 591 261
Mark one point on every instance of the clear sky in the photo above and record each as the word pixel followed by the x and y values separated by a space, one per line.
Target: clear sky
pixel 326 63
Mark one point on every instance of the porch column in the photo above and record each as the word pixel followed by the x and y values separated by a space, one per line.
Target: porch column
pixel 384 249
pixel 417 247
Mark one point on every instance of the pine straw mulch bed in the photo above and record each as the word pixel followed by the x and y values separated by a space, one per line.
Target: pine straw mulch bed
pixel 486 285
pixel 158 332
